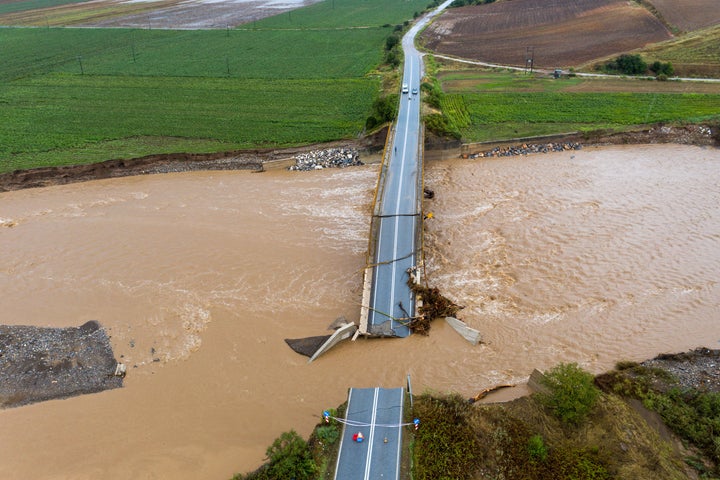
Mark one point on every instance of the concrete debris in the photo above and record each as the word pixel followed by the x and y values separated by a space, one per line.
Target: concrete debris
pixel 526 149
pixel 328 158
pixel 338 322
pixel 469 334
pixel 307 346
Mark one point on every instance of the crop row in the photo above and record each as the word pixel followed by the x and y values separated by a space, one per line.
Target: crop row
pixel 453 106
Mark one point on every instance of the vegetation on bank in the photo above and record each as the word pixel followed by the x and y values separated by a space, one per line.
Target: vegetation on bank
pixel 72 96
pixel 694 54
pixel 572 431
pixel 482 105
pixel 692 414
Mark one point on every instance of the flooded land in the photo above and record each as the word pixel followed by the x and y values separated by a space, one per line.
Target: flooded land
pixel 589 256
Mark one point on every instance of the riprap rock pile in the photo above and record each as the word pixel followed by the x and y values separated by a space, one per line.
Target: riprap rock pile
pixel 328 158
pixel 527 148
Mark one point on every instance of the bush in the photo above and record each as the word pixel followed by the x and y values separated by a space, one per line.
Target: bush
pixel 290 457
pixel 440 125
pixel 572 392
pixel 445 446
pixel 665 69
pixel 328 434
pixel 537 449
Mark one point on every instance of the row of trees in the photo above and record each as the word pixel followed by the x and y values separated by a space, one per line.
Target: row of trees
pixel 462 3
pixel 628 64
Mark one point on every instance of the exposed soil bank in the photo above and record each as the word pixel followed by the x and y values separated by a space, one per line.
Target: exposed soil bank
pixel 38 364
pixel 168 163
pixel 256 159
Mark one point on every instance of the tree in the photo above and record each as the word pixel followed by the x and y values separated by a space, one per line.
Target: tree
pixel 391 41
pixel 628 64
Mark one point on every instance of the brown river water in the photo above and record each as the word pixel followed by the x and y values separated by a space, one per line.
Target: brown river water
pixel 593 256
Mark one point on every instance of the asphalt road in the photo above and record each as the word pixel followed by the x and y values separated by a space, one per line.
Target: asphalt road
pixel 391 301
pixel 377 414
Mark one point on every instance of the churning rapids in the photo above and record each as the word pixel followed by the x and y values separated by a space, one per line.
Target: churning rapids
pixel 591 256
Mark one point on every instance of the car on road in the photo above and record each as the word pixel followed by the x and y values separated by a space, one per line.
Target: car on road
pixel 405 88
pixel 414 91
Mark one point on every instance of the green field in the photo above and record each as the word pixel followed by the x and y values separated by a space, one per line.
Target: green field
pixel 71 96
pixel 266 54
pixel 503 105
pixel 346 13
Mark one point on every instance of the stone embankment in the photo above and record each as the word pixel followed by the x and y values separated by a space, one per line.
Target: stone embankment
pixel 328 158
pixel 526 149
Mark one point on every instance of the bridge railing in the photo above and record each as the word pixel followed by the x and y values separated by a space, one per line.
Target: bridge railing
pixel 372 239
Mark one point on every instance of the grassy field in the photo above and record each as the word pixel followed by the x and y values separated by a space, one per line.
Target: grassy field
pixel 345 14
pixel 695 54
pixel 506 105
pixel 266 54
pixel 73 96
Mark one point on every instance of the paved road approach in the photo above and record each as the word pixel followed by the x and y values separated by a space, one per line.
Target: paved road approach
pixel 377 414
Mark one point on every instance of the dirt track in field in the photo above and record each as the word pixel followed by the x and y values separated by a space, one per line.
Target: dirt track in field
pixel 562 33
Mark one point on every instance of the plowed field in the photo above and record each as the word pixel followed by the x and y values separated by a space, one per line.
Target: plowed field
pixel 562 33
pixel 688 15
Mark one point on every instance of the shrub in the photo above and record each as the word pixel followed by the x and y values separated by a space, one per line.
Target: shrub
pixel 328 434
pixel 659 68
pixel 290 457
pixel 440 125
pixel 445 446
pixel 572 392
pixel 537 449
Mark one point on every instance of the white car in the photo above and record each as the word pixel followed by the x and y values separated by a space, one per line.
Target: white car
pixel 405 88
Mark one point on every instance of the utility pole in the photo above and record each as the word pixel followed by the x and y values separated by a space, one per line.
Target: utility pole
pixel 82 72
pixel 529 58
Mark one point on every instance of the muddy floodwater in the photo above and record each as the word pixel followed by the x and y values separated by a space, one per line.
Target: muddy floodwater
pixel 591 256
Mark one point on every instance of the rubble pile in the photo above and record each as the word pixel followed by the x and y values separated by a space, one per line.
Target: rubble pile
pixel 527 148
pixel 329 158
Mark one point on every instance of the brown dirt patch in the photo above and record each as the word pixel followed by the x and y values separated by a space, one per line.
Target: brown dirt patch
pixel 642 86
pixel 562 33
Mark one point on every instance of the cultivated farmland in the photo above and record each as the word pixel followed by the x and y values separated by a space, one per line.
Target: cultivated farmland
pixel 70 96
pixel 688 15
pixel 486 105
pixel 562 33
